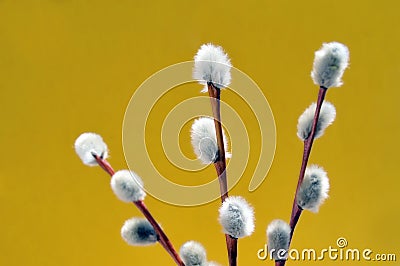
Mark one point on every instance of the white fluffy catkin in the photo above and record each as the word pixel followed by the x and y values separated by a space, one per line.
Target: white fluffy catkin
pixel 88 144
pixel 236 217
pixel 193 254
pixel 326 117
pixel 127 186
pixel 212 64
pixel 314 189
pixel 204 140
pixel 278 235
pixel 138 232
pixel 329 64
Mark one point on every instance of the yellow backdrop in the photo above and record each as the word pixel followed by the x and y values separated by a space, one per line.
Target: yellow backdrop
pixel 67 67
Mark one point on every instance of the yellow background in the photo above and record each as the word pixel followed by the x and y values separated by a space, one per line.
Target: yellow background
pixel 67 67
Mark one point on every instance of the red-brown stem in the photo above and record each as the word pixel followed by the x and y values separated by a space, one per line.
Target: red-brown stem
pixel 280 262
pixel 220 162
pixel 220 168
pixel 163 239
pixel 294 220
pixel 232 246
pixel 231 243
pixel 296 210
pixel 104 164
pixel 220 165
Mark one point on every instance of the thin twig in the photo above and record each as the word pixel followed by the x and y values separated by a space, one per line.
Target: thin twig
pixel 104 164
pixel 163 239
pixel 296 210
pixel 232 246
pixel 220 164
pixel 165 242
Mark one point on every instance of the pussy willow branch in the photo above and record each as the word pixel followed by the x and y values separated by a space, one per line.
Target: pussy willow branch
pixel 296 210
pixel 163 239
pixel 220 164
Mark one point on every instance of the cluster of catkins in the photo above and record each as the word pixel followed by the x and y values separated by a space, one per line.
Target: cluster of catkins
pixel 212 69
pixel 313 185
pixel 128 187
